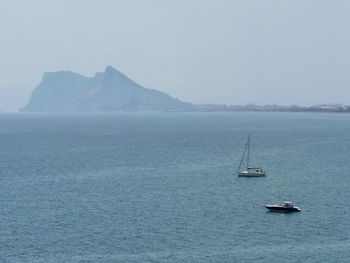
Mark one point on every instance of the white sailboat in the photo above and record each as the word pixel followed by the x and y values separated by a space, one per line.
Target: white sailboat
pixel 249 171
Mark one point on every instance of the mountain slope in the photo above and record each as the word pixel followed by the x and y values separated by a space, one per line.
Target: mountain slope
pixel 66 91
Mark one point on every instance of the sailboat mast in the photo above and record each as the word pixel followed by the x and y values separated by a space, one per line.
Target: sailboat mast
pixel 248 151
pixel 245 150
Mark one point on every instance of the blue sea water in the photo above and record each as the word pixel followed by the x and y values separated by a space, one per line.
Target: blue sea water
pixel 162 187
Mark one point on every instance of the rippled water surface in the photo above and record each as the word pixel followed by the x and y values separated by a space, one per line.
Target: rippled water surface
pixel 162 187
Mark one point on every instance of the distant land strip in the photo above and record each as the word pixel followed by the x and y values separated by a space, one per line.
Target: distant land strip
pixel 112 91
pixel 271 108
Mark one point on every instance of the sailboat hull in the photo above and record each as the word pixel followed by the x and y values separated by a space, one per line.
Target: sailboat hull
pixel 247 174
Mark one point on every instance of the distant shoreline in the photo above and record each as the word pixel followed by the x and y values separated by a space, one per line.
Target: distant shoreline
pixel 320 108
pixel 179 111
pixel 332 108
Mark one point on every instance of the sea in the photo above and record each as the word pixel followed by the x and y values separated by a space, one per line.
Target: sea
pixel 163 187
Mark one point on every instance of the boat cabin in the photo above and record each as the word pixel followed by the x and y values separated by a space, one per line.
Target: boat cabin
pixel 255 170
pixel 287 204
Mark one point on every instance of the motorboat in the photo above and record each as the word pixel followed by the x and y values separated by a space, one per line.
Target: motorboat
pixel 285 206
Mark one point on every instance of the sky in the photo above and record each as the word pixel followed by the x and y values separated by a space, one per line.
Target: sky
pixel 201 51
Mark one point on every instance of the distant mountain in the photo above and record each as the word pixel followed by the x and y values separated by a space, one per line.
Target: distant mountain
pixel 66 91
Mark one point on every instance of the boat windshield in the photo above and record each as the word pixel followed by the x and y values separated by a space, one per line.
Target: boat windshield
pixel 287 204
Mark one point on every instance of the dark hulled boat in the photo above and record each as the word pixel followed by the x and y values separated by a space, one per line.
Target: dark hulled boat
pixel 285 207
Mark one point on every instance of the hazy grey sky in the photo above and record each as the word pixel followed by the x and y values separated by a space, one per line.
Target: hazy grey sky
pixel 222 51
